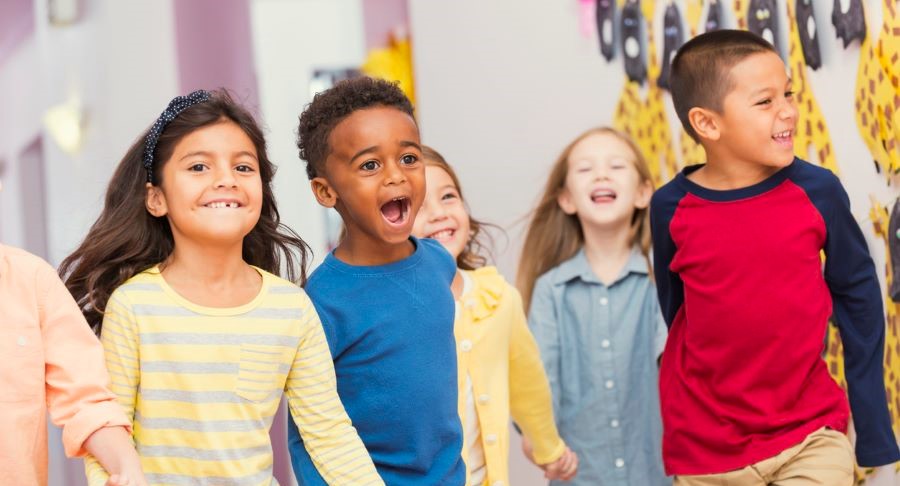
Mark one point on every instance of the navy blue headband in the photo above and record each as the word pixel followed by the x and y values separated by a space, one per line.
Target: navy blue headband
pixel 176 106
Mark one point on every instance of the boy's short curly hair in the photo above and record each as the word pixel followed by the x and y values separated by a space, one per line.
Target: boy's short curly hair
pixel 701 70
pixel 331 106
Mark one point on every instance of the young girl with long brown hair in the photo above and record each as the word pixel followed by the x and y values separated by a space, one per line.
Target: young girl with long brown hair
pixel 585 278
pixel 201 338
pixel 500 372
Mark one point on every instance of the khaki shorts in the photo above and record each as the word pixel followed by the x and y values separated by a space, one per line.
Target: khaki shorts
pixel 824 458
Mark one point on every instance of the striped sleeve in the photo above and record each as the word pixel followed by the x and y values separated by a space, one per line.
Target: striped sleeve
pixel 119 336
pixel 328 435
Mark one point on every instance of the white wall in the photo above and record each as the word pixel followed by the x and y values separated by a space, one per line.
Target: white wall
pixel 291 39
pixel 503 86
pixel 119 58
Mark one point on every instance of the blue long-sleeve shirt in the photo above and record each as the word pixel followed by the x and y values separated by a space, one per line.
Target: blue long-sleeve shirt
pixel 390 331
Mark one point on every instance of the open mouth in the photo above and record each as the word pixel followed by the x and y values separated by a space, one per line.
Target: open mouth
pixel 785 138
pixel 442 235
pixel 603 196
pixel 222 205
pixel 396 211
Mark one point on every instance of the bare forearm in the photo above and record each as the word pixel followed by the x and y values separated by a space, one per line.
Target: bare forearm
pixel 112 448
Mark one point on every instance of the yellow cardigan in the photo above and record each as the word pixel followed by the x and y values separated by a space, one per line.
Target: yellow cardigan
pixel 496 349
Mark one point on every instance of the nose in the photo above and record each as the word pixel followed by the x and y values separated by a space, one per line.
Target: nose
pixel 225 177
pixel 393 174
pixel 789 110
pixel 434 210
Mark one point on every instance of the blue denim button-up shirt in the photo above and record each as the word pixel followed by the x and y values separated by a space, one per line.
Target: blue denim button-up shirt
pixel 599 345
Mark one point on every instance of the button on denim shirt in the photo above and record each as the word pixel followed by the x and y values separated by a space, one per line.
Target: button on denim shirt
pixel 600 345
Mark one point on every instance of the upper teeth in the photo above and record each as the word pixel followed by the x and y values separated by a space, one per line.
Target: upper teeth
pixel 222 204
pixel 783 134
pixel 442 234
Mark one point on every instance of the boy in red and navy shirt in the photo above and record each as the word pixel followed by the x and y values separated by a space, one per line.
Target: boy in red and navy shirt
pixel 746 397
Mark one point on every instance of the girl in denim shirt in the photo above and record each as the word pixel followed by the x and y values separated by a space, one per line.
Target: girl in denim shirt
pixel 585 277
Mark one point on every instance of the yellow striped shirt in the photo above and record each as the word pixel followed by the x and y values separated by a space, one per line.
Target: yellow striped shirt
pixel 202 385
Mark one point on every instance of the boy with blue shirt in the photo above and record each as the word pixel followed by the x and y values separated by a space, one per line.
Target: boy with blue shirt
pixel 746 398
pixel 382 295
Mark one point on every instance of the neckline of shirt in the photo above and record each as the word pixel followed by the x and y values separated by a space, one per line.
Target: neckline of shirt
pixel 728 195
pixel 213 311
pixel 364 270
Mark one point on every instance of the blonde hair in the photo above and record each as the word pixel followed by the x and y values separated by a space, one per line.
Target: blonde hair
pixel 554 236
pixel 472 256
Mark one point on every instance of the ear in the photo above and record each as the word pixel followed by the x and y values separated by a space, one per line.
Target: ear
pixel 564 199
pixel 644 193
pixel 323 191
pixel 156 201
pixel 705 123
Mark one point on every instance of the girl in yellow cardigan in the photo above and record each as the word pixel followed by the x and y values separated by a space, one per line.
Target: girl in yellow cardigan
pixel 500 370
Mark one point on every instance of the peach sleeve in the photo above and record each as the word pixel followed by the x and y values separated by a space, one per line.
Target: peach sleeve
pixel 77 383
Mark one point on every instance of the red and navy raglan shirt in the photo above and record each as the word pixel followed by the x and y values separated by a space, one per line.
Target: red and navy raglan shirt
pixel 742 288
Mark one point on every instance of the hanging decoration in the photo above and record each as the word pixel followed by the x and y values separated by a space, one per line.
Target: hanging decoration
pixel 849 21
pixel 762 20
pixel 673 37
pixel 632 42
pixel 878 94
pixel 809 33
pixel 606 22
pixel 714 16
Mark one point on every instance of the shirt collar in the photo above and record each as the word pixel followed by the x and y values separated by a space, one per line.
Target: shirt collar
pixel 579 267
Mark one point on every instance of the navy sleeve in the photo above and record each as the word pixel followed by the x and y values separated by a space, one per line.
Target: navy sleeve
pixel 859 314
pixel 669 286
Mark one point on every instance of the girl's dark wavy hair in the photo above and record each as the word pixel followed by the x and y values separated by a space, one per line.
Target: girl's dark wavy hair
pixel 126 239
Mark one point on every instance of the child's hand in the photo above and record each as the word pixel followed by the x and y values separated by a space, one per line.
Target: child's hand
pixel 563 468
pixel 118 480
pixel 528 451
pixel 124 480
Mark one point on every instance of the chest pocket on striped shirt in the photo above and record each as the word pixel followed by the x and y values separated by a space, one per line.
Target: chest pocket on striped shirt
pixel 262 372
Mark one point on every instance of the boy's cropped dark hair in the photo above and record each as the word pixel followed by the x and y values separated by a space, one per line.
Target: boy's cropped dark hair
pixel 701 70
pixel 331 106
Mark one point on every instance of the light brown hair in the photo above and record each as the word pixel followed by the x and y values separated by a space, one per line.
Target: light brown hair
pixel 474 254
pixel 554 236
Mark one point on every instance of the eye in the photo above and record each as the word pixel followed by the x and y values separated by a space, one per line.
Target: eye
pixel 245 168
pixel 764 102
pixel 449 196
pixel 408 159
pixel 583 169
pixel 788 94
pixel 198 167
pixel 369 165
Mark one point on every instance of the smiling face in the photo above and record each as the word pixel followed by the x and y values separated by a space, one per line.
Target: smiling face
pixel 374 176
pixel 603 186
pixel 210 189
pixel 443 215
pixel 759 115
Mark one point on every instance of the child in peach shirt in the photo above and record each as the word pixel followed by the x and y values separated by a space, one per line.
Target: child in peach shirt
pixel 51 361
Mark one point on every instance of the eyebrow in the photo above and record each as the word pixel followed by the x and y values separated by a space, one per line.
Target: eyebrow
pixel 760 91
pixel 209 154
pixel 373 148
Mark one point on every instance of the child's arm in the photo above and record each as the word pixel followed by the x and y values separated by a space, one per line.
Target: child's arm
pixel 543 323
pixel 78 399
pixel 531 403
pixel 333 444
pixel 112 447
pixel 669 286
pixel 859 313
pixel 120 345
